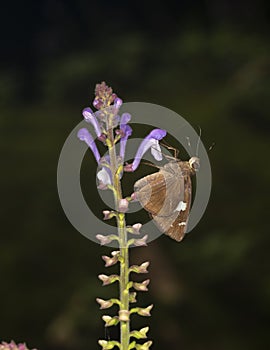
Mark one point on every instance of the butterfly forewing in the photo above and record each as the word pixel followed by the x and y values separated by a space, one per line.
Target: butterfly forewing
pixel 160 193
pixel 166 195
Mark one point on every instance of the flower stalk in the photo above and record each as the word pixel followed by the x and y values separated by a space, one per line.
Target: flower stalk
pixel 124 253
pixel 110 129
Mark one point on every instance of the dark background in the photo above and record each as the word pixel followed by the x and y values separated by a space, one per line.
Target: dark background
pixel 206 60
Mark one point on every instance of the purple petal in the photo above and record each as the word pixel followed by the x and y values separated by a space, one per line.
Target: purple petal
pixel 127 130
pixel 156 151
pixel 125 118
pixel 84 135
pixel 150 141
pixel 90 117
pixel 118 102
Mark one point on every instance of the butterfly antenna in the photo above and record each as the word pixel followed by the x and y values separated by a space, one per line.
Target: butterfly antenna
pixel 189 144
pixel 198 142
pixel 211 147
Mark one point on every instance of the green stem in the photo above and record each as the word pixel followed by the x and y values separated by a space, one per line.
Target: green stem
pixel 124 264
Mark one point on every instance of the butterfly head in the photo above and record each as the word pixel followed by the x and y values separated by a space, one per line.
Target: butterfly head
pixel 194 163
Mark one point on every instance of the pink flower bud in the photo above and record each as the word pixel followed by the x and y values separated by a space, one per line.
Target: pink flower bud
pixel 136 228
pixel 108 214
pixel 104 304
pixel 141 241
pixel 104 239
pixel 145 311
pixel 140 269
pixel 110 261
pixel 108 279
pixel 141 287
pixel 134 197
pixel 123 205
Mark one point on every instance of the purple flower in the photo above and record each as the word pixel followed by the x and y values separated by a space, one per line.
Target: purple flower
pixel 13 346
pixel 151 141
pixel 118 102
pixel 127 131
pixel 90 117
pixel 125 118
pixel 84 135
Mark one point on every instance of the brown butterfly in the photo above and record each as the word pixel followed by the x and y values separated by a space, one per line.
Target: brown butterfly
pixel 166 195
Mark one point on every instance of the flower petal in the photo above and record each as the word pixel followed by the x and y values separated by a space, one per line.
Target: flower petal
pixel 156 151
pixel 125 118
pixel 104 176
pixel 150 141
pixel 90 117
pixel 84 135
pixel 127 130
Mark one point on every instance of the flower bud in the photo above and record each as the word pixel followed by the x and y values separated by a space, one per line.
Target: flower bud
pixel 132 297
pixel 104 304
pixel 118 102
pixel 110 261
pixel 123 205
pixel 108 279
pixel 134 229
pixel 144 346
pixel 141 334
pixel 110 321
pixel 108 214
pixel 141 241
pixel 106 239
pixel 140 269
pixel 141 287
pixel 13 346
pixel 145 311
pixel 108 345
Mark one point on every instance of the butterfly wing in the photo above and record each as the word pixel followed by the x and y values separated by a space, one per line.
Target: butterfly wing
pixel 175 225
pixel 160 193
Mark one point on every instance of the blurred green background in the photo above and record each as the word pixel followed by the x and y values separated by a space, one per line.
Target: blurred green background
pixel 206 60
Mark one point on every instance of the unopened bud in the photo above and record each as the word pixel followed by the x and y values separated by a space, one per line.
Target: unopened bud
pixel 108 214
pixel 141 334
pixel 104 304
pixel 140 269
pixel 105 239
pixel 141 241
pixel 132 297
pixel 108 279
pixel 110 321
pixel 144 346
pixel 123 205
pixel 142 287
pixel 134 229
pixel 145 311
pixel 110 261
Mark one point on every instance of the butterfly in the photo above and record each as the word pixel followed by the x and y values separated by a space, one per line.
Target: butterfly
pixel 166 195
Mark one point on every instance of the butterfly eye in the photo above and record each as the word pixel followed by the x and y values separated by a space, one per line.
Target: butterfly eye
pixel 194 163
